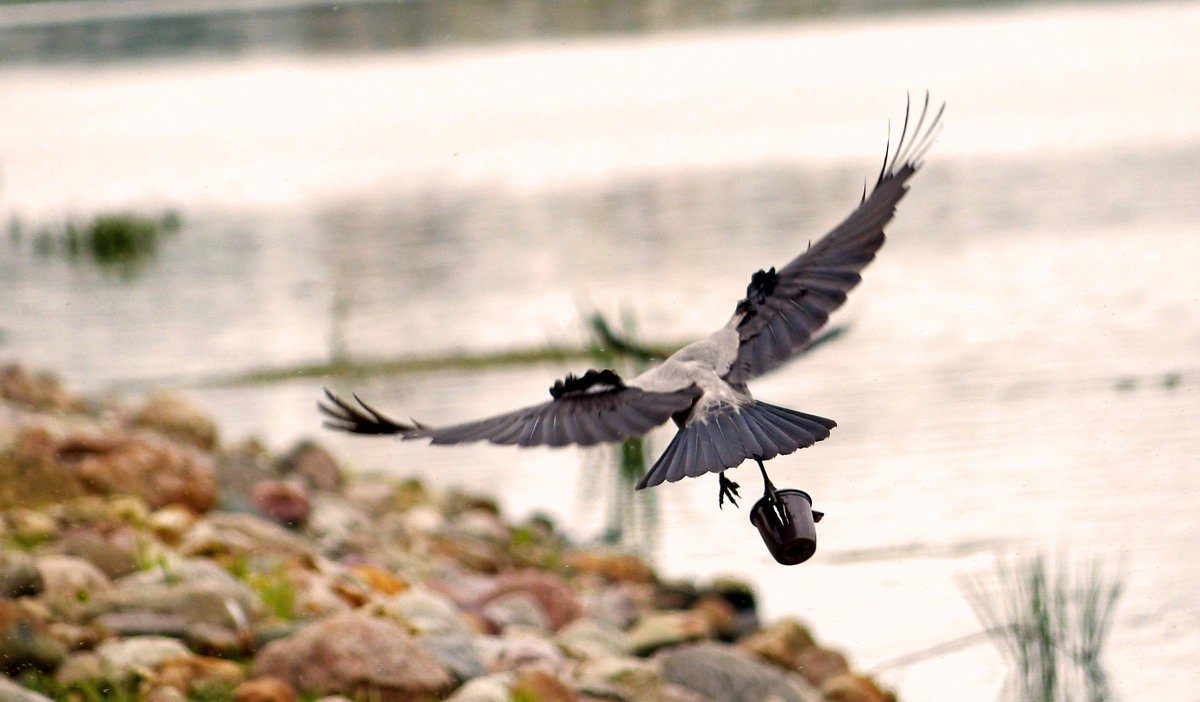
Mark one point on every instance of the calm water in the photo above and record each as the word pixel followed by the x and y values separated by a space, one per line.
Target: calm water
pixel 1021 371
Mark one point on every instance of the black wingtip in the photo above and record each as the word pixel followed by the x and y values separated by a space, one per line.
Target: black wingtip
pixel 362 419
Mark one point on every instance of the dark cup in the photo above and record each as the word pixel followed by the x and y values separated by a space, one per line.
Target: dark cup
pixel 788 528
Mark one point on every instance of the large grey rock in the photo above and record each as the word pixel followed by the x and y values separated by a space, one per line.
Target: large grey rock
pixel 727 674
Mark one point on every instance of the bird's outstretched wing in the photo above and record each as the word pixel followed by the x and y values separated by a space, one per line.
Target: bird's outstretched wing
pixel 784 309
pixel 594 408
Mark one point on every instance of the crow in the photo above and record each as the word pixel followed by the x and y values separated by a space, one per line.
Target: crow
pixel 702 387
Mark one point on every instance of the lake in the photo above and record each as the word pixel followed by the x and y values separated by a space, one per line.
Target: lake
pixel 1020 370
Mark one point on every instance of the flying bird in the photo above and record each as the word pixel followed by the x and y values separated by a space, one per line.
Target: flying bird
pixel 702 387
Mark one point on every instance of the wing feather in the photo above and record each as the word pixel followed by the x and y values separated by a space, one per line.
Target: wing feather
pixel 816 281
pixel 584 417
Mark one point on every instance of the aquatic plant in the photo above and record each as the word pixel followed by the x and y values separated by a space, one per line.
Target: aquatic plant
pixel 631 518
pixel 1050 624
pixel 120 241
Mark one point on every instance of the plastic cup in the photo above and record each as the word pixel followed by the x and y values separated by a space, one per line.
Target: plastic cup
pixel 788 527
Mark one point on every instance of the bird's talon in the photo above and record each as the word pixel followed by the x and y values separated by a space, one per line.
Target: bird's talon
pixel 728 489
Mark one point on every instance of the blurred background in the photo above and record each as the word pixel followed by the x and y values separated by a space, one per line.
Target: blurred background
pixel 416 193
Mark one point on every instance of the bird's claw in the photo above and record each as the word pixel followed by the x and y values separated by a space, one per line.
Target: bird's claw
pixel 729 489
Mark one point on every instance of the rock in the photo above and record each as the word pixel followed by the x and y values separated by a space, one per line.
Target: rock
pixel 590 639
pixel 238 468
pixel 30 527
pixel 30 474
pixel 198 591
pixel 41 392
pixel 77 636
pixel 657 630
pixel 516 608
pixel 313 465
pixel 719 615
pixel 164 693
pixel 12 692
pixel 456 653
pixel 26 641
pixel 379 579
pixel 439 629
pixel 265 689
pixel 179 418
pixel 122 660
pixel 282 502
pixel 818 664
pixel 612 565
pixel 19 576
pixel 338 525
pixel 482 524
pixel 613 605
pixel 170 523
pixel 239 534
pixel 143 623
pixel 355 654
pixel 215 640
pixel 622 677
pixel 555 597
pixel 71 586
pixel 729 675
pixel 535 684
pixel 425 612
pixel 156 470
pixel 115 553
pixel 519 649
pixel 490 688
pixel 77 668
pixel 848 687
pixel 780 643
pixel 201 676
pixel 674 596
pixel 742 599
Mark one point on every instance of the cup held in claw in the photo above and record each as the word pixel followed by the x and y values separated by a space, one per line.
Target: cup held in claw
pixel 787 525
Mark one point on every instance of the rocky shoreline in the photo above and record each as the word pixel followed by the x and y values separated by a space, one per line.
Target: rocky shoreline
pixel 141 559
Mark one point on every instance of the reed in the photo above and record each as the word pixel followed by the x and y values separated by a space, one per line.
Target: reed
pixel 1050 621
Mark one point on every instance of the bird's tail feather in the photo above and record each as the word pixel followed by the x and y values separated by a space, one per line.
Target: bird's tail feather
pixel 731 435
